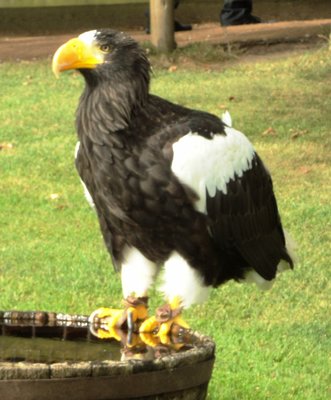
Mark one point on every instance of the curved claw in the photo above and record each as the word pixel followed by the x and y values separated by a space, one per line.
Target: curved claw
pixel 108 317
pixel 150 326
pixel 101 333
pixel 129 318
pixel 154 332
pixel 166 327
pixel 149 339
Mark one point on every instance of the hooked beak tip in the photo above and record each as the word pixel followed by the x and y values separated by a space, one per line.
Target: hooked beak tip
pixel 55 64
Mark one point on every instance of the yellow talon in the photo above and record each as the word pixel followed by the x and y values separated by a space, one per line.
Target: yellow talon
pixel 104 312
pixel 107 316
pixel 141 312
pixel 159 329
pixel 151 325
pixel 107 334
pixel 165 327
pixel 176 302
pixel 129 318
pixel 149 339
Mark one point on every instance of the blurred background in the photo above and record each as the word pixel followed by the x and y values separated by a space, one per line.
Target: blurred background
pixel 42 17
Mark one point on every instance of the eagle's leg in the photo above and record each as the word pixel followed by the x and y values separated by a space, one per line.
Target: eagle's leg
pixel 182 286
pixel 137 275
pixel 109 320
pixel 168 321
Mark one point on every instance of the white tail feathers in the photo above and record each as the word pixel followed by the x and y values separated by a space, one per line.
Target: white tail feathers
pixel 291 247
pixel 226 118
pixel 252 276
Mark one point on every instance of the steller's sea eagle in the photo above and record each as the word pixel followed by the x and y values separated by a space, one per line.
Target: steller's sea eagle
pixel 173 188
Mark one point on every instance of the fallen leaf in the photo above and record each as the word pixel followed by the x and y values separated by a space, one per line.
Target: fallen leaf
pixel 296 133
pixel 269 132
pixel 304 169
pixel 27 81
pixel 60 207
pixel 6 146
pixel 172 68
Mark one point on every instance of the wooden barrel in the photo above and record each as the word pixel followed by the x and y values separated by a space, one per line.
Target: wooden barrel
pixel 53 357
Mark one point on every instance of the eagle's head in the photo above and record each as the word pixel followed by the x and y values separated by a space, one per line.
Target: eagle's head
pixel 101 55
pixel 116 71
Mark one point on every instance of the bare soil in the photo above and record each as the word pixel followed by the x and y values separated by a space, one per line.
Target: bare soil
pixel 259 40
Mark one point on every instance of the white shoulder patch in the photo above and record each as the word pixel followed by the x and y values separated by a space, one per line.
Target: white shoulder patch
pixel 209 164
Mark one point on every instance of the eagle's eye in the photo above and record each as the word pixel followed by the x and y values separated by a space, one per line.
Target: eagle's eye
pixel 105 48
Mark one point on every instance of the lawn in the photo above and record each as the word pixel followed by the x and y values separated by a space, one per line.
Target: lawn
pixel 270 345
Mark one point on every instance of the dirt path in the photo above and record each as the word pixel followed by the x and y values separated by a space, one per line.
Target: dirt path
pixel 36 47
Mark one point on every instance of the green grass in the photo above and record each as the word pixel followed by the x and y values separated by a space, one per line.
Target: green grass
pixel 270 345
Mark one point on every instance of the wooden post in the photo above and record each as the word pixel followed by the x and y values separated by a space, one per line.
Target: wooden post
pixel 162 25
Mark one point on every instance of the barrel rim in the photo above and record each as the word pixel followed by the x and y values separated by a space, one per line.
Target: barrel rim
pixel 203 351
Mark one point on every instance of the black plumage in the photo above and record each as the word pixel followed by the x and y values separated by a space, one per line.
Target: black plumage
pixel 125 160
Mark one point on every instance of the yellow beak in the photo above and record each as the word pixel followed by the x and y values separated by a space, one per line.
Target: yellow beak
pixel 75 54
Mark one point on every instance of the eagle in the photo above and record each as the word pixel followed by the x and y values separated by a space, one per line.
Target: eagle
pixel 175 189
